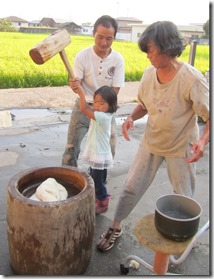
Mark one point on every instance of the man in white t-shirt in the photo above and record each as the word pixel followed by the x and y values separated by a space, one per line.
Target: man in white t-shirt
pixel 94 66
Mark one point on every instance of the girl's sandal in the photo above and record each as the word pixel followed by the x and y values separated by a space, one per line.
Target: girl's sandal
pixel 108 239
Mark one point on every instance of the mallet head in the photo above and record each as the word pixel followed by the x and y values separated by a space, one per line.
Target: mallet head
pixel 50 46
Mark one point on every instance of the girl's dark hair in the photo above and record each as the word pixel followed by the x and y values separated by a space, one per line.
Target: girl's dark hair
pixel 106 21
pixel 109 95
pixel 165 35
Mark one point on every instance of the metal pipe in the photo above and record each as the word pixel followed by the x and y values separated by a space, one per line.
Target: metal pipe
pixel 190 246
pixel 192 52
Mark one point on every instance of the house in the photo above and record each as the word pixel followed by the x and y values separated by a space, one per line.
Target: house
pixel 71 27
pixel 124 27
pixel 87 30
pixel 34 23
pixel 16 21
pixel 189 32
pixel 48 22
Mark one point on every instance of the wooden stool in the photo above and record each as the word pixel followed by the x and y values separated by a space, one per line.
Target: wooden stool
pixel 148 235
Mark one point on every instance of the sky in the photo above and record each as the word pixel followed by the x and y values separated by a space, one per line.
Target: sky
pixel 82 11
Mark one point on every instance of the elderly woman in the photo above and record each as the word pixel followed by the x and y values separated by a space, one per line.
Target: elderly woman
pixel 172 93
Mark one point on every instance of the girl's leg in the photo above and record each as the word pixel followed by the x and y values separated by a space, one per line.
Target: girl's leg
pixel 140 176
pixel 99 177
pixel 102 197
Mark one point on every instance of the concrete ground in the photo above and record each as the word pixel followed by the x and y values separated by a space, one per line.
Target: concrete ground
pixel 37 139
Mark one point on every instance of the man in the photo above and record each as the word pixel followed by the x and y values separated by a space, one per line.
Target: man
pixel 94 67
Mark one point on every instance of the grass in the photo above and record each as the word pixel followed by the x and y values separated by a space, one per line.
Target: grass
pixel 17 70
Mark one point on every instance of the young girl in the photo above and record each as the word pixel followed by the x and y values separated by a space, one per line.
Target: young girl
pixel 98 150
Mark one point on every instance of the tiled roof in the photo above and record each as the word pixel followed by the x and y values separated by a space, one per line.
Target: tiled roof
pixel 15 19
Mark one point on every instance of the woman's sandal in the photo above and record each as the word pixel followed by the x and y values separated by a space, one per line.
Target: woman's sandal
pixel 108 239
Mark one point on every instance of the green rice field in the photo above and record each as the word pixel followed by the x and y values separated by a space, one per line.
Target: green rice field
pixel 17 70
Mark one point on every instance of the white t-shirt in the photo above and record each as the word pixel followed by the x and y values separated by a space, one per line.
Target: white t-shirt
pixel 172 110
pixel 98 150
pixel 96 72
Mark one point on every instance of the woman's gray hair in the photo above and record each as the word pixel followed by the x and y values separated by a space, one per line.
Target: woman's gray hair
pixel 165 35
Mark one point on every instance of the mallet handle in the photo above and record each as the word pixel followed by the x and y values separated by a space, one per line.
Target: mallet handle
pixel 66 63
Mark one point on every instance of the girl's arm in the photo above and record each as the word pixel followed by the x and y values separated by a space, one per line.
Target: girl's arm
pixel 83 104
pixel 77 88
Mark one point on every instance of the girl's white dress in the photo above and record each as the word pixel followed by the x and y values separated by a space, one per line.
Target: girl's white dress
pixel 98 150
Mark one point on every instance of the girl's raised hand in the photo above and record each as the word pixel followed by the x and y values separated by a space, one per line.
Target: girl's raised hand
pixel 75 84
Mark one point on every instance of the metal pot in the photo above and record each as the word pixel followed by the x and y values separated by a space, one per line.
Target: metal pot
pixel 177 216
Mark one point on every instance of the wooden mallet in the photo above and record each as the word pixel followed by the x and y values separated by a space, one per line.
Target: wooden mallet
pixel 53 44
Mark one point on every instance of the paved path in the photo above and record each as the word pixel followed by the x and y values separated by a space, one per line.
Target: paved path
pixel 53 97
pixel 37 138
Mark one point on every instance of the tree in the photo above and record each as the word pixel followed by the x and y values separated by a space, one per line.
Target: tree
pixel 206 29
pixel 6 26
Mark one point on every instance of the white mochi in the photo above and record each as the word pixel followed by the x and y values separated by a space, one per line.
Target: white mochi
pixel 50 190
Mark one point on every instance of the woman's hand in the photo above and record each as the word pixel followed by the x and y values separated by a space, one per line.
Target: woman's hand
pixel 128 124
pixel 198 151
pixel 199 146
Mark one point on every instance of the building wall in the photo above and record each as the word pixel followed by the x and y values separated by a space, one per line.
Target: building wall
pixel 136 32
pixel 20 24
pixel 123 36
pixel 87 30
